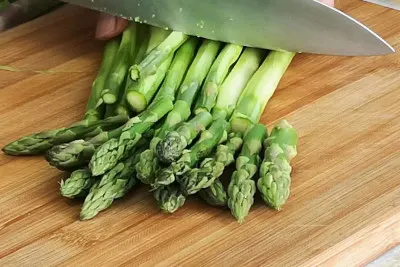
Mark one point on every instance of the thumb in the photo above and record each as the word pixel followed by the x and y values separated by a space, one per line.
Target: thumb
pixel 109 26
pixel 328 2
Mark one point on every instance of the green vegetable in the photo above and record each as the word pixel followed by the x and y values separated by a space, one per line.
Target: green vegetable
pixel 216 76
pixel 149 163
pixel 171 148
pixel 259 90
pixel 169 198
pixel 140 97
pixel 94 111
pixel 209 139
pixel 157 56
pixel 212 168
pixel 120 65
pixel 114 150
pixel 215 195
pixel 40 142
pixel 78 184
pixel 114 184
pixel 280 149
pixel 242 188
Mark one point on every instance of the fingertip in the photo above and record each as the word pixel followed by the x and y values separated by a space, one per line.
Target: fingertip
pixel 109 26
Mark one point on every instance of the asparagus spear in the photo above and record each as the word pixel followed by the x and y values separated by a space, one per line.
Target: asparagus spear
pixel 234 84
pixel 78 184
pixel 157 56
pixel 280 149
pixel 40 142
pixel 157 36
pixel 260 89
pixel 215 195
pixel 95 112
pixel 142 42
pixel 171 148
pixel 209 138
pixel 169 198
pixel 242 188
pixel 140 97
pixel 220 68
pixel 114 184
pixel 148 163
pixel 120 65
pixel 77 154
pixel 114 150
pixel 212 167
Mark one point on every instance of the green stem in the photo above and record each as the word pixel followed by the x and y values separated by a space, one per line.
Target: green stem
pixel 220 68
pixel 94 111
pixel 235 83
pixel 140 98
pixel 260 89
pixel 157 56
pixel 121 64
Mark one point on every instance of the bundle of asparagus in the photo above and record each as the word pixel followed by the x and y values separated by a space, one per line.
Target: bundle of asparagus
pixel 172 112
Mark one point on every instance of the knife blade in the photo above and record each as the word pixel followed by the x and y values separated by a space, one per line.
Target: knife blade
pixel 306 26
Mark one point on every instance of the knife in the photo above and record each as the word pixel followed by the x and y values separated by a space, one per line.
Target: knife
pixel 302 26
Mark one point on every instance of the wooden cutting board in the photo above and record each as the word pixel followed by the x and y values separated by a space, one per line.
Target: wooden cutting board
pixel 345 204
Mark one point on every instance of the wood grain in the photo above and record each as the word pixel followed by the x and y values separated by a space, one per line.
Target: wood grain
pixel 345 204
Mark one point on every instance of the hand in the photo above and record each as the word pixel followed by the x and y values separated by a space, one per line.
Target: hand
pixel 109 26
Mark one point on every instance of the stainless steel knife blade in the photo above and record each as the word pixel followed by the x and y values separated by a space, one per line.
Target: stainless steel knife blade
pixel 307 26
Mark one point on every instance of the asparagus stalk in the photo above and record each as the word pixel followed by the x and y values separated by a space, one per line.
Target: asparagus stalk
pixel 242 188
pixel 149 163
pixel 171 148
pixel 234 84
pixel 280 149
pixel 157 56
pixel 114 150
pixel 212 167
pixel 215 195
pixel 40 142
pixel 157 36
pixel 140 97
pixel 142 41
pixel 259 90
pixel 114 184
pixel 120 65
pixel 94 111
pixel 78 184
pixel 169 198
pixel 188 90
pixel 209 139
pixel 77 154
pixel 219 70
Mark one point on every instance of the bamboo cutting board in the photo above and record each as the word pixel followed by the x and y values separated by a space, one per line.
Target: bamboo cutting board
pixel 345 204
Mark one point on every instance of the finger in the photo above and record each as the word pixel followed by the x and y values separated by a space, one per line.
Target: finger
pixel 328 2
pixel 109 26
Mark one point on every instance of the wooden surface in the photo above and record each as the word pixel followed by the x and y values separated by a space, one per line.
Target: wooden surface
pixel 345 204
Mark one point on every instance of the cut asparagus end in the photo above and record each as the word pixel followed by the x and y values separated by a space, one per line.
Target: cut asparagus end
pixel 109 98
pixel 137 101
pixel 135 73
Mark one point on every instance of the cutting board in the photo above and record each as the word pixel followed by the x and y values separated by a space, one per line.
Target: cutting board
pixel 344 209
